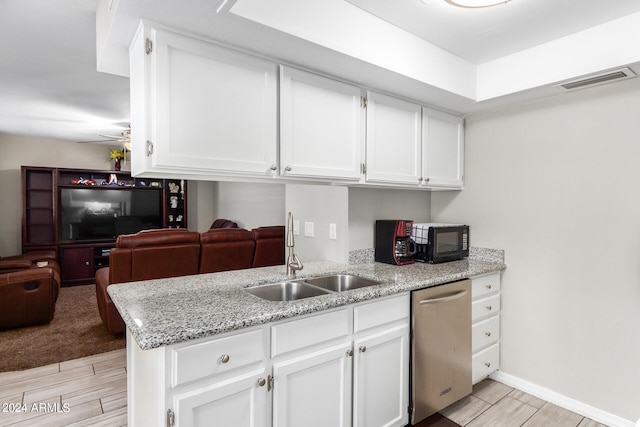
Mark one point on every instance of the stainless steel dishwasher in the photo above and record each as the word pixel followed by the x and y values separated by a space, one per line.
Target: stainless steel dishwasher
pixel 440 347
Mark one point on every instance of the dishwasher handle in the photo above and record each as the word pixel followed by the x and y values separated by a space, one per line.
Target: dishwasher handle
pixel 444 299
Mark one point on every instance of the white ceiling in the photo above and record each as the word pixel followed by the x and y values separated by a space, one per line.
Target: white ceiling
pixel 49 85
pixel 481 35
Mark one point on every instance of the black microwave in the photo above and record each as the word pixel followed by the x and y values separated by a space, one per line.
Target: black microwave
pixel 437 242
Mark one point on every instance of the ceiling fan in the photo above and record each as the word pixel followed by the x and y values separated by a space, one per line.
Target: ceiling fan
pixel 124 138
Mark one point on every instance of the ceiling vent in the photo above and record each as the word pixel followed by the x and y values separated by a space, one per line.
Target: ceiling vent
pixel 598 79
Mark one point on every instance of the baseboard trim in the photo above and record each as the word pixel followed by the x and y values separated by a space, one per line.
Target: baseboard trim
pixel 563 401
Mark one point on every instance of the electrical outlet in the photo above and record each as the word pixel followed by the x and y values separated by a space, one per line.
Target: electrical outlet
pixel 332 231
pixel 296 227
pixel 308 229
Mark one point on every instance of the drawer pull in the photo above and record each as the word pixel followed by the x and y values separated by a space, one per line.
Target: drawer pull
pixel 488 334
pixel 363 348
pixel 488 286
pixel 487 364
pixel 489 307
pixel 224 358
pixel 261 382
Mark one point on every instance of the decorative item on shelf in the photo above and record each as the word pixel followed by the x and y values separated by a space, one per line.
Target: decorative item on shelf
pixel 82 181
pixel 117 156
pixel 174 202
pixel 173 187
pixel 113 179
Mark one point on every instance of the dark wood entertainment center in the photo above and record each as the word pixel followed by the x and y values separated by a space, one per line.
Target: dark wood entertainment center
pixel 79 257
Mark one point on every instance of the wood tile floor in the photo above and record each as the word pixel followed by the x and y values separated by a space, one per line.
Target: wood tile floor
pixel 92 391
pixel 497 405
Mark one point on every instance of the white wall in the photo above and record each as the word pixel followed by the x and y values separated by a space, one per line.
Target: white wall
pixel 556 184
pixel 368 204
pixel 321 205
pixel 249 204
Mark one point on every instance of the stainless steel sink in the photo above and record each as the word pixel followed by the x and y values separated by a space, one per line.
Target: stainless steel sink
pixel 292 290
pixel 341 282
pixel 287 291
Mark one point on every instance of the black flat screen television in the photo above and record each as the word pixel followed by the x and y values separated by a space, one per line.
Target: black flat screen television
pixel 104 213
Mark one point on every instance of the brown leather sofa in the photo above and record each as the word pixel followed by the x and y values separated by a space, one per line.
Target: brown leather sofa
pixel 269 246
pixel 29 288
pixel 148 254
pixel 223 249
pixel 223 223
pixel 155 254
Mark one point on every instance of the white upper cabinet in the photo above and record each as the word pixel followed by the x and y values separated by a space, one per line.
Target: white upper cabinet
pixel 442 150
pixel 321 127
pixel 393 140
pixel 203 108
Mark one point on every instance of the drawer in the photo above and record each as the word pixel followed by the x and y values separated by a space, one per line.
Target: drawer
pixel 485 307
pixel 377 313
pixel 485 333
pixel 194 361
pixel 485 285
pixel 485 362
pixel 313 330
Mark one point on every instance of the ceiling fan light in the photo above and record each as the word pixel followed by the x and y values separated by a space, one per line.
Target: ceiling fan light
pixel 476 3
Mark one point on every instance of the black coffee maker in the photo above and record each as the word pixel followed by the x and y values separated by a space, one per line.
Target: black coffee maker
pixel 393 244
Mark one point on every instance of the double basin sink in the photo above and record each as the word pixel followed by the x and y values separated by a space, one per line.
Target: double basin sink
pixel 291 290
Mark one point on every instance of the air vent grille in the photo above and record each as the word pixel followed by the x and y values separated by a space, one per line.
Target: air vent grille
pixel 622 74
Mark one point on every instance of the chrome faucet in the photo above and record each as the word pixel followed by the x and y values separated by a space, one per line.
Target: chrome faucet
pixel 293 263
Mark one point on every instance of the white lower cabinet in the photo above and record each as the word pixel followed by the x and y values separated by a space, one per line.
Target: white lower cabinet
pixel 381 379
pixel 313 389
pixel 485 328
pixel 239 401
pixel 342 367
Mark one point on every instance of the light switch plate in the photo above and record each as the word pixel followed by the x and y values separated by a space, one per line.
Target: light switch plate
pixel 308 229
pixel 332 231
pixel 296 227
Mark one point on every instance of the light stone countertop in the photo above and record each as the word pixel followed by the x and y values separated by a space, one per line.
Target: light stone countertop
pixel 167 311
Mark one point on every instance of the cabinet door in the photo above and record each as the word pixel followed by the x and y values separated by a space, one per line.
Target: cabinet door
pixel 314 389
pixel 381 379
pixel 211 109
pixel 443 150
pixel 240 401
pixel 393 140
pixel 76 264
pixel 321 126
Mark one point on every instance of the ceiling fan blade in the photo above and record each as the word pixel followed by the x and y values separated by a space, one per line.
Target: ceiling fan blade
pixel 99 140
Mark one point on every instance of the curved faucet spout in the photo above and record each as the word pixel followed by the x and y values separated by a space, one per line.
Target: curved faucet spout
pixel 293 263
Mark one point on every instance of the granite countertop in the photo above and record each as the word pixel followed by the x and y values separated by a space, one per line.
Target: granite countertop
pixel 167 311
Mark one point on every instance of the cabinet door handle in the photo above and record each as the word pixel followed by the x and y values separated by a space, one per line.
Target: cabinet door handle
pixel 487 364
pixel 488 286
pixel 273 167
pixel 224 358
pixel 489 307
pixel 287 168
pixel 350 352
pixel 86 263
pixel 363 348
pixel 261 382
pixel 488 334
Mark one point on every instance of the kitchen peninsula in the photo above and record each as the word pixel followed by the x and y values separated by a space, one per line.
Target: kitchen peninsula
pixel 194 340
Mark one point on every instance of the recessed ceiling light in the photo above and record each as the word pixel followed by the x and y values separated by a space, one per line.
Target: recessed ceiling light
pixel 476 3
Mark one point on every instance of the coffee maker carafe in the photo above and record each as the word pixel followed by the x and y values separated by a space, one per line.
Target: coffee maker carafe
pixel 393 244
